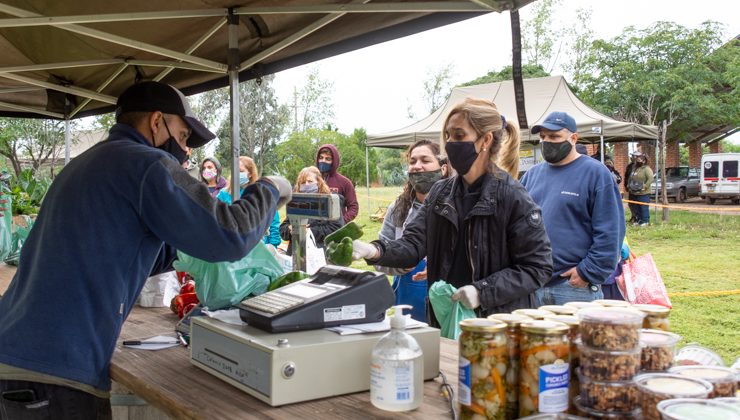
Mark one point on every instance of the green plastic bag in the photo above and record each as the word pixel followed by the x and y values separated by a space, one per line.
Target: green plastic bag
pixel 448 313
pixel 224 284
pixel 6 224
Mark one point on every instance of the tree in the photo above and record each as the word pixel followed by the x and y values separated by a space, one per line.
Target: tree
pixel 578 43
pixel 540 35
pixel 39 141
pixel 437 87
pixel 312 105
pixel 665 72
pixel 528 71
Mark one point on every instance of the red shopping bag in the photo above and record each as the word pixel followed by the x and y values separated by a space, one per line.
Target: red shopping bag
pixel 641 282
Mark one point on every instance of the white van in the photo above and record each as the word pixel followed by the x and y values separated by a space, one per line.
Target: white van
pixel 720 177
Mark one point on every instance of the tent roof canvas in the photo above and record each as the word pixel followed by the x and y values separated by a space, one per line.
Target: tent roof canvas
pixel 542 96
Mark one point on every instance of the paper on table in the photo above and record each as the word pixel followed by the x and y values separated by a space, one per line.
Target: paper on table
pixel 384 325
pixel 145 346
pixel 229 316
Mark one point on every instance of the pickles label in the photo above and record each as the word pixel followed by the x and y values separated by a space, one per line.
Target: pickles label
pixel 463 387
pixel 554 379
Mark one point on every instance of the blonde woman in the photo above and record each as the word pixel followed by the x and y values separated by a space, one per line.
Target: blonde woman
pixel 309 180
pixel 248 175
pixel 479 229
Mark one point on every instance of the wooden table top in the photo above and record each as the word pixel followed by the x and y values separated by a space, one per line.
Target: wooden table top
pixel 166 379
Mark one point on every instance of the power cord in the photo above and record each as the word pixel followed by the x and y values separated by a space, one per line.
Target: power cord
pixel 448 392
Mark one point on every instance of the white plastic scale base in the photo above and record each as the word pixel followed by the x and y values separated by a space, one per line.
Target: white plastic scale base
pixel 309 365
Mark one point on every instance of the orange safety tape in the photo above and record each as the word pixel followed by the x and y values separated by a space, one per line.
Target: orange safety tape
pixel 712 293
pixel 682 207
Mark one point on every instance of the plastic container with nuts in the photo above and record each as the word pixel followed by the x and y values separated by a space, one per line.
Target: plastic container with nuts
pixel 545 373
pixel 532 313
pixel 559 309
pixel 693 408
pixel 514 337
pixel 483 365
pixel 593 413
pixel 658 348
pixel 656 316
pixel 721 378
pixel 611 328
pixel 609 395
pixel 609 365
pixel 656 387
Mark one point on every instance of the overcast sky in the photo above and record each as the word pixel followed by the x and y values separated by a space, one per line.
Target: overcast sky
pixel 374 86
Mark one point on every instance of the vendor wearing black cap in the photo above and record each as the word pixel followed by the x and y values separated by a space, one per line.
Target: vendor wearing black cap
pixel 99 234
pixel 582 211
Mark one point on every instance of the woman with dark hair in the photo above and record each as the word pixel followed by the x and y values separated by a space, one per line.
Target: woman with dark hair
pixel 479 229
pixel 425 167
pixel 210 174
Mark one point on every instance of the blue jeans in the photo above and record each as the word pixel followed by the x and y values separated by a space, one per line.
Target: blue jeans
pixel 23 400
pixel 642 212
pixel 414 293
pixel 562 293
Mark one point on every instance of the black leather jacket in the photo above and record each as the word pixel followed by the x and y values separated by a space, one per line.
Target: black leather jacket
pixel 509 251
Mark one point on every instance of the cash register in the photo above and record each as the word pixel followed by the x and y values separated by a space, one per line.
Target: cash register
pixel 283 355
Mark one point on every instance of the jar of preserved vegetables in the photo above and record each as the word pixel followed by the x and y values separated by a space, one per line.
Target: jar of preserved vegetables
pixel 484 365
pixel 656 316
pixel 545 367
pixel 573 336
pixel 514 336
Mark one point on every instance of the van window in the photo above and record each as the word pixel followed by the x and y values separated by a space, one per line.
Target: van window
pixel 729 169
pixel 711 169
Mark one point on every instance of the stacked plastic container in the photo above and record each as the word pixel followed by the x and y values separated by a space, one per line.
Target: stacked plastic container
pixel 610 355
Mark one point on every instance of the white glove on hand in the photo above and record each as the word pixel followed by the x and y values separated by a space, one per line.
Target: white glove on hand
pixel 468 296
pixel 283 187
pixel 364 250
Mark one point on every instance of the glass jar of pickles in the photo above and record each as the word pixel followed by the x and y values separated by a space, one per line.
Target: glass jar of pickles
pixel 656 316
pixel 545 359
pixel 573 336
pixel 484 366
pixel 513 336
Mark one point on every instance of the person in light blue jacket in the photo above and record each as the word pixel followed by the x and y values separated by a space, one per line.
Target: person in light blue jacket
pixel 248 175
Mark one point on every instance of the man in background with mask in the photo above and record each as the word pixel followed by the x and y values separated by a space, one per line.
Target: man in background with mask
pixel 327 160
pixel 110 219
pixel 582 212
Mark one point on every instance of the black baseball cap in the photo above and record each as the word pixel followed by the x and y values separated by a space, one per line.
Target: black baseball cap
pixel 156 96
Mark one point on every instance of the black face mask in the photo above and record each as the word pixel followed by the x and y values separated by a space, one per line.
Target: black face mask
pixel 462 155
pixel 170 146
pixel 423 181
pixel 555 152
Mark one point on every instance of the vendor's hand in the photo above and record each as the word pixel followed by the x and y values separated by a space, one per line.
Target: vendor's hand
pixel 364 250
pixel 420 276
pixel 468 296
pixel 574 279
pixel 283 187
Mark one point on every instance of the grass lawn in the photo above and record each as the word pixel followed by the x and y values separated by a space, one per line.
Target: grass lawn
pixel 694 253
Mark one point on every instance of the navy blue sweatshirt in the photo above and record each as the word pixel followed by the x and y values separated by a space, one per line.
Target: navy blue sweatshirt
pixel 96 240
pixel 583 215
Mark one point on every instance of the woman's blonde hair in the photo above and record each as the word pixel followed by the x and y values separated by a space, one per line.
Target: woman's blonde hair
pixel 303 177
pixel 248 163
pixel 484 117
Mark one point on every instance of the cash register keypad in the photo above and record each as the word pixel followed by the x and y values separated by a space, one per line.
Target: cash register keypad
pixel 273 302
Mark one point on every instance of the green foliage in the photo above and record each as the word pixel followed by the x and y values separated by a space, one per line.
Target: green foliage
pixel 529 71
pixel 391 167
pixel 540 35
pixel 728 147
pixel 28 192
pixel 312 105
pixel 36 140
pixel 437 87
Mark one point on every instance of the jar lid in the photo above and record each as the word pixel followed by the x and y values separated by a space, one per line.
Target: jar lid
pixel 673 385
pixel 482 325
pixel 570 320
pixel 559 309
pixel 532 313
pixel 544 327
pixel 696 408
pixel 512 320
pixel 581 305
pixel 605 315
pixel 658 338
pixel 613 303
pixel 709 373
pixel 654 310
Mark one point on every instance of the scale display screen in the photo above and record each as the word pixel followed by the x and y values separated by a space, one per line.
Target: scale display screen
pixel 314 206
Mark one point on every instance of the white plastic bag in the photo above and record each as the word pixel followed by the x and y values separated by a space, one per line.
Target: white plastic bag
pixel 315 258
pixel 159 290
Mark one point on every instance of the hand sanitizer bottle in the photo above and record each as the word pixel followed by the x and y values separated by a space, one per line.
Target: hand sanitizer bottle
pixel 397 368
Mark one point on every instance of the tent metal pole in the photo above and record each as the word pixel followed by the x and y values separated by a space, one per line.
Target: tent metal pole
pixel 601 135
pixel 66 139
pixel 367 173
pixel 233 59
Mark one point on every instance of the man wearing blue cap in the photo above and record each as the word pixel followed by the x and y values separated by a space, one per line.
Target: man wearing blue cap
pixel 582 211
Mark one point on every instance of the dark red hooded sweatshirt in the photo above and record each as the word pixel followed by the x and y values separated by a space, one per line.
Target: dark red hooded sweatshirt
pixel 340 184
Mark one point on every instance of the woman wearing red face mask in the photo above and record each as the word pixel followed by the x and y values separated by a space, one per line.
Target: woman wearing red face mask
pixel 479 229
